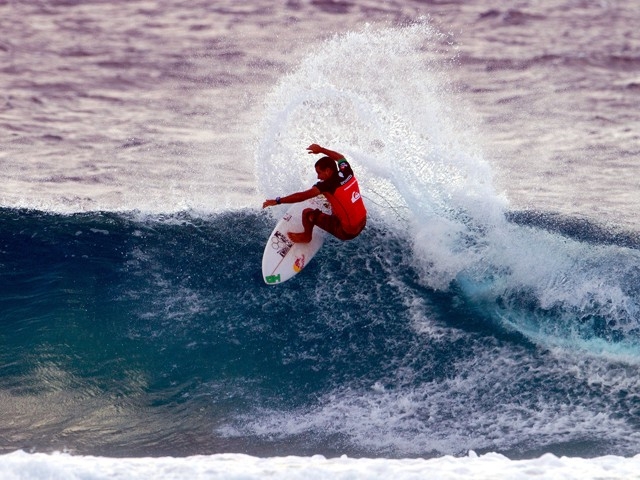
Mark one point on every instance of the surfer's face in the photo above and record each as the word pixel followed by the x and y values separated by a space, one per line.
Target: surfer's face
pixel 324 174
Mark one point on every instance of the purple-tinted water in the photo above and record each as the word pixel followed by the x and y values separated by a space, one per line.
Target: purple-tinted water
pixel 154 105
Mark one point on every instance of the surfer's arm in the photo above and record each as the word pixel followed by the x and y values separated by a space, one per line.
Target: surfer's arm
pixel 294 197
pixel 315 148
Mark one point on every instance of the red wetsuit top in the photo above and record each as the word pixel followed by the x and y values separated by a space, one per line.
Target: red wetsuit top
pixel 343 194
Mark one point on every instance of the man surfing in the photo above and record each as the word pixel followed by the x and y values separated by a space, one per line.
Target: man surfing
pixel 340 187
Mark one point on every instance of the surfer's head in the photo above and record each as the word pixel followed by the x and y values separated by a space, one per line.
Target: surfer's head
pixel 326 168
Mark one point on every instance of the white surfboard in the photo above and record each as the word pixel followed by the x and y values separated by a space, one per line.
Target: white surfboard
pixel 283 259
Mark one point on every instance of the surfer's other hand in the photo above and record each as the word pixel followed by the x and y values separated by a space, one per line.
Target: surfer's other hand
pixel 314 148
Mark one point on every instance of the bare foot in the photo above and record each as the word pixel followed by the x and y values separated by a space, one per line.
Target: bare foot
pixel 301 237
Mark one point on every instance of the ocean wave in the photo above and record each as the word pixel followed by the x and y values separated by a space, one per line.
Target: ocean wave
pixel 450 324
pixel 162 330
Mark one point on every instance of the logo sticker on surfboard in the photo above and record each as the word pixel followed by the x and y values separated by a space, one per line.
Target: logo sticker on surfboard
pixel 281 243
pixel 298 264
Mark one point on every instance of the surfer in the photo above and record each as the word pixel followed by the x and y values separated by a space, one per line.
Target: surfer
pixel 340 187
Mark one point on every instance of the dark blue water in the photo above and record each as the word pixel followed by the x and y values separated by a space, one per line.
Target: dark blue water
pixel 124 335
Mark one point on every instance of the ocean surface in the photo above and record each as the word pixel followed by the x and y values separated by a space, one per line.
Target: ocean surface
pixel 486 322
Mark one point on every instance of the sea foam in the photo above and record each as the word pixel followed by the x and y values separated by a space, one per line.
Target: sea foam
pixel 20 465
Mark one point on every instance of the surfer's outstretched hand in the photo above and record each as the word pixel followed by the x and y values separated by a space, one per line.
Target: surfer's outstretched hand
pixel 315 148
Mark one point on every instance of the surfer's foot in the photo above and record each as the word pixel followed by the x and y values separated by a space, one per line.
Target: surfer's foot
pixel 301 237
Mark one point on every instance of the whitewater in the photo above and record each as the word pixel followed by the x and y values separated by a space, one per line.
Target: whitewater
pixel 485 324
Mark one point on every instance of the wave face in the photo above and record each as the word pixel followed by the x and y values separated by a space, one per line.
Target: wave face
pixel 131 336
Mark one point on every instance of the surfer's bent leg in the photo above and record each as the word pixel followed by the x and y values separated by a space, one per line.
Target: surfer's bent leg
pixel 331 224
pixel 309 219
